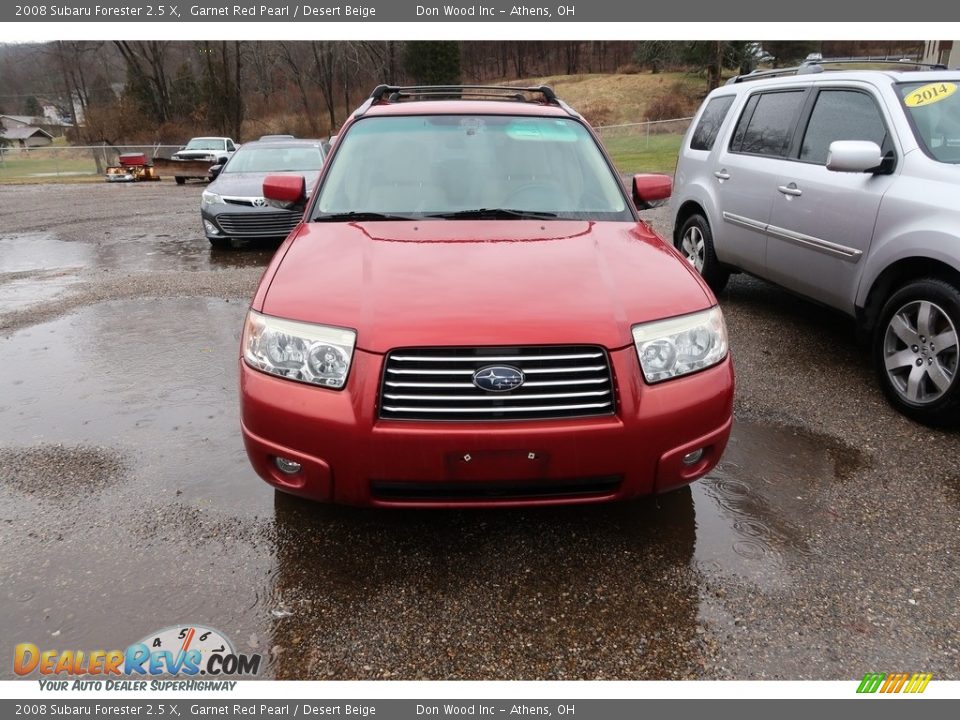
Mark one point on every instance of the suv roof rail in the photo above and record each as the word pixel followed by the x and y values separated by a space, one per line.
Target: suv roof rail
pixel 515 93
pixel 816 66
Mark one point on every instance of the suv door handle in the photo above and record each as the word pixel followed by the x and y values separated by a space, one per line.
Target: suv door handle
pixel 721 175
pixel 790 189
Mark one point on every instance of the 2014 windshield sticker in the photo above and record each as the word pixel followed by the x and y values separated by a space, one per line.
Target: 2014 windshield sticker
pixel 186 651
pixel 929 94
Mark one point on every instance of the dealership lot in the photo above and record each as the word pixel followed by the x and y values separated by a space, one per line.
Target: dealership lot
pixel 824 546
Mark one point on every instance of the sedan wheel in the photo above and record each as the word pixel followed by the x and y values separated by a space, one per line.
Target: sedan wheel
pixel 917 351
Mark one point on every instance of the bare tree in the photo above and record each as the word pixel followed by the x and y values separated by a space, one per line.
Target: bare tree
pixel 146 68
pixel 294 59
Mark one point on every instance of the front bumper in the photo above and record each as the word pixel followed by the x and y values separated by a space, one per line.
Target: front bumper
pixel 241 221
pixel 348 455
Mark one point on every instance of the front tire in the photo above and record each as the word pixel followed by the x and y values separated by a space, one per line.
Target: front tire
pixel 695 243
pixel 180 180
pixel 916 351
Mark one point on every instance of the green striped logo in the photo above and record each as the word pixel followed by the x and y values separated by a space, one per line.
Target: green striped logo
pixel 886 683
pixel 871 682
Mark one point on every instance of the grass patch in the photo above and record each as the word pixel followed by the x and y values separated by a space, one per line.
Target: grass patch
pixel 638 153
pixel 34 166
pixel 616 98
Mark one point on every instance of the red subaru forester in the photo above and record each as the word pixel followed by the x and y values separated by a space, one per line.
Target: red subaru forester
pixel 471 313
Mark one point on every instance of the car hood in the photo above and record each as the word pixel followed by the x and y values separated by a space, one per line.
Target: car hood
pixel 251 184
pixel 434 283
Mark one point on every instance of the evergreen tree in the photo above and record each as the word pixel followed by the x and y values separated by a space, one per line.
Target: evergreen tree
pixel 433 62
pixel 31 107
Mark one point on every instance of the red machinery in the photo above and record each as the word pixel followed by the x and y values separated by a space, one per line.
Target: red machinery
pixel 132 167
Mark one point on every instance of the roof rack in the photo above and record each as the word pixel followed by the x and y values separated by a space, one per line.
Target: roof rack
pixel 399 93
pixel 810 67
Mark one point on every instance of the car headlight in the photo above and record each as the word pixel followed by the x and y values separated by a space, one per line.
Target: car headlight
pixel 210 198
pixel 677 346
pixel 314 354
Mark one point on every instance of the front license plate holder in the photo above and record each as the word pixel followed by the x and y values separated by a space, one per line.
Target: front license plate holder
pixel 482 465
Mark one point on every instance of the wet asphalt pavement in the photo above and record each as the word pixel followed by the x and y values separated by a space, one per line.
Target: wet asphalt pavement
pixel 824 546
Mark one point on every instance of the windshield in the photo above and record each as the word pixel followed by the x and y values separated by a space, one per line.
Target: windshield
pixel 453 166
pixel 205 144
pixel 275 159
pixel 934 111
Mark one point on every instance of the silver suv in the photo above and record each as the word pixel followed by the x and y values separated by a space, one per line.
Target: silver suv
pixel 844 187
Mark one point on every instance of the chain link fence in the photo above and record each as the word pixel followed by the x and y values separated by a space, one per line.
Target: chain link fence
pixel 635 147
pixel 75 162
pixel 651 146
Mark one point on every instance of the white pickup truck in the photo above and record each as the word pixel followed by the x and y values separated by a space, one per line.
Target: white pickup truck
pixel 215 150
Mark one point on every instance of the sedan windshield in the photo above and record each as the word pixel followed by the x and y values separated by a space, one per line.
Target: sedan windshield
pixel 275 159
pixel 462 167
pixel 934 111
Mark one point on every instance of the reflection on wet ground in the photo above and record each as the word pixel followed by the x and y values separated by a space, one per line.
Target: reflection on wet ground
pixel 36 267
pixel 761 501
pixel 128 498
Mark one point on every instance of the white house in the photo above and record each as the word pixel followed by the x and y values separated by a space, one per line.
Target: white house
pixel 26 136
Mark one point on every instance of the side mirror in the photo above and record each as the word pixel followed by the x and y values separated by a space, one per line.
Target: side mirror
pixel 285 190
pixel 853 156
pixel 215 170
pixel 649 190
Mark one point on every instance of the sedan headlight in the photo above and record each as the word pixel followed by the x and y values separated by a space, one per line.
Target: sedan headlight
pixel 209 198
pixel 677 346
pixel 314 354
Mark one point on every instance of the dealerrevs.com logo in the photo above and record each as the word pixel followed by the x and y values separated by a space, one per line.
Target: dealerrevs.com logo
pixel 187 651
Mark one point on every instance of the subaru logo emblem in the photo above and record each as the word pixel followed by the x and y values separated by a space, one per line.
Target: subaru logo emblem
pixel 498 378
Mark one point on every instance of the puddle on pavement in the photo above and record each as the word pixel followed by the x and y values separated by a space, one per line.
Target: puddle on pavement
pixel 183 531
pixel 38 252
pixel 39 267
pixel 164 252
pixel 34 268
pixel 154 377
pixel 757 511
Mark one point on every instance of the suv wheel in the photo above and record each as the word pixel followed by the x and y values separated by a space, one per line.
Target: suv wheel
pixel 916 351
pixel 179 180
pixel 695 243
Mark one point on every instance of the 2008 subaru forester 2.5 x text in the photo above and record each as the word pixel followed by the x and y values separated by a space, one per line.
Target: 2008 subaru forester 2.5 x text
pixel 473 314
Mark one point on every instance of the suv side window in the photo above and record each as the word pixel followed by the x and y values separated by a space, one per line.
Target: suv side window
pixel 841 115
pixel 710 121
pixel 767 123
pixel 230 146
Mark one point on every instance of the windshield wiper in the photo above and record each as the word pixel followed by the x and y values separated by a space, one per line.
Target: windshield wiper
pixel 359 216
pixel 493 214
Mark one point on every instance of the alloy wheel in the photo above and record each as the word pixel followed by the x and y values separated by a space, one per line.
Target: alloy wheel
pixel 920 352
pixel 692 247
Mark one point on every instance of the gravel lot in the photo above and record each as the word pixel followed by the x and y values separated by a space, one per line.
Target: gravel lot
pixel 824 546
